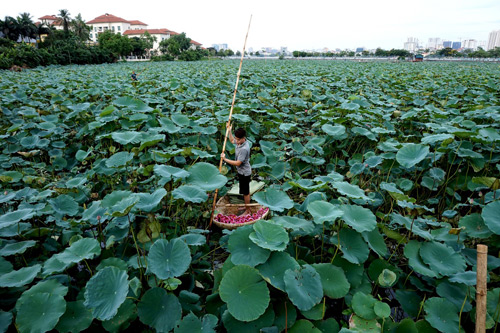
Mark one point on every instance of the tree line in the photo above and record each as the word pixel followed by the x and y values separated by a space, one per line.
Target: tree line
pixel 26 44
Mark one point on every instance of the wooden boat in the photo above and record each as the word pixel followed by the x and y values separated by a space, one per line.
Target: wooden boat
pixel 225 207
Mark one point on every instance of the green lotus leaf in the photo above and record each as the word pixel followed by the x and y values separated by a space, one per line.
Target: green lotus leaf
pixel 81 155
pixel 76 182
pixel 274 199
pixel 333 280
pixel 5 320
pixel 352 191
pixel 14 217
pixel 359 218
pixel 410 301
pixel 490 215
pixel 105 292
pixel 441 314
pixel 233 325
pixel 190 193
pixel 323 211
pixel 6 196
pixel 412 252
pixel 315 313
pixel 159 309
pixel 16 248
pixel 11 176
pixel 40 312
pixel 245 293
pixel 64 205
pixel 189 324
pixel 94 211
pixel 21 277
pixel 430 139
pixel 168 259
pixel 363 305
pixel 387 278
pixel 468 278
pixel 151 139
pixel 294 223
pixel 329 325
pixel 209 323
pixel 206 177
pixel 114 197
pixel 119 159
pixel 442 259
pixel 112 262
pixel 458 294
pixel 77 318
pixel 273 270
pixel 148 202
pixel 286 315
pixel 303 287
pixel 30 142
pixel 304 325
pixel 167 171
pixel 382 310
pixel 243 250
pixel 132 104
pixel 193 239
pixel 180 119
pixel 85 248
pixel 437 174
pixel 337 131
pixel 307 184
pixel 127 312
pixel 375 241
pixel 411 154
pixel 51 287
pixel 354 248
pixel 474 226
pixel 269 236
pixel 127 137
pixel 124 206
pixel 364 132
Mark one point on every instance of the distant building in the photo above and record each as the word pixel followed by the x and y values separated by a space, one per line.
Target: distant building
pixel 360 49
pixel 284 50
pixel 411 44
pixel 220 47
pixel 447 43
pixel 493 40
pixel 482 44
pixel 456 45
pixel 435 43
pixel 470 44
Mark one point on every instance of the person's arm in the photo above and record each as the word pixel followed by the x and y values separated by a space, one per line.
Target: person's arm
pixel 230 162
pixel 230 135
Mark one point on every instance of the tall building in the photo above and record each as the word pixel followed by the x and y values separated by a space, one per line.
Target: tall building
pixel 493 40
pixel 447 43
pixel 435 43
pixel 456 45
pixel 411 45
pixel 470 44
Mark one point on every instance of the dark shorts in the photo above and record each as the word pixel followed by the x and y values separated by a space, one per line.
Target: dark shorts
pixel 244 184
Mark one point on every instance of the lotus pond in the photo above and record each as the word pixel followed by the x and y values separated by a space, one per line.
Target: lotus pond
pixel 381 179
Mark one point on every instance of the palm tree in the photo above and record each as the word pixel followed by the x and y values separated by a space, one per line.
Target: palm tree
pixel 26 26
pixel 64 15
pixel 43 29
pixel 81 30
pixel 10 28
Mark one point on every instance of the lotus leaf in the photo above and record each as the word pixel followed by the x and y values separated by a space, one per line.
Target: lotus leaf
pixel 40 312
pixel 303 287
pixel 304 325
pixel 206 177
pixel 333 280
pixel 105 292
pixel 121 321
pixel 375 241
pixel 323 211
pixel 148 202
pixel 190 193
pixel 21 277
pixel 337 131
pixel 273 270
pixel 269 236
pixel 363 305
pixel 64 205
pixel 382 310
pixel 77 318
pixel 119 159
pixel 274 199
pixel 490 215
pixel 441 314
pixel 159 309
pixel 12 218
pixel 245 293
pixel 244 250
pixel 5 320
pixel 411 154
pixel 127 137
pixel 233 325
pixel 387 278
pixel 16 248
pixel 412 252
pixel 352 191
pixel 294 223
pixel 359 218
pixel 354 248
pixel 442 259
pixel 167 259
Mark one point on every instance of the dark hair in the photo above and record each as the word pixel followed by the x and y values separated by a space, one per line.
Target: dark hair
pixel 240 133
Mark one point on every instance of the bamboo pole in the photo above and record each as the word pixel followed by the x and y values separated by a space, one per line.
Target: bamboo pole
pixel 229 120
pixel 481 288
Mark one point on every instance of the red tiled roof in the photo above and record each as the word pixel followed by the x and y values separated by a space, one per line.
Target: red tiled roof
pixel 48 17
pixel 195 42
pixel 136 22
pixel 107 18
pixel 150 31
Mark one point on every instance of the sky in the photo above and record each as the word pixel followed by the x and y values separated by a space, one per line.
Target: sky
pixel 297 25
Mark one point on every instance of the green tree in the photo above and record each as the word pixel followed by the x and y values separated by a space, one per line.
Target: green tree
pixel 80 28
pixel 10 28
pixel 65 18
pixel 117 44
pixel 27 29
pixel 175 45
pixel 43 29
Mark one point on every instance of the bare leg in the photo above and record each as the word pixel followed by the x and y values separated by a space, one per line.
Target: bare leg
pixel 247 203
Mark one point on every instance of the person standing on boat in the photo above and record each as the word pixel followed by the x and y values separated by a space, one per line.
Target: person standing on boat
pixel 241 162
